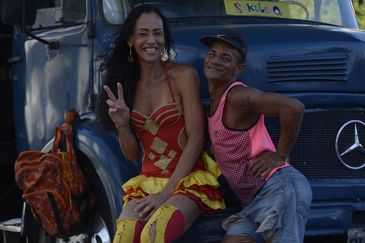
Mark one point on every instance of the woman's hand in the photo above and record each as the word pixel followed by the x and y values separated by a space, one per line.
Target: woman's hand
pixel 118 111
pixel 148 205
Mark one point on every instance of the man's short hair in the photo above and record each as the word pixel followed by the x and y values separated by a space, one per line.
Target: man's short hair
pixel 232 38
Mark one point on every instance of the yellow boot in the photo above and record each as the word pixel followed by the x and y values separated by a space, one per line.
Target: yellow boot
pixel 128 230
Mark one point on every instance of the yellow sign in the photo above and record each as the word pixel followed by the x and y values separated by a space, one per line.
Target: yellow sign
pixel 256 8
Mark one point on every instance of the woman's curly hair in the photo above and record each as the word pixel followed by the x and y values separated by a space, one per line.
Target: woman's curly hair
pixel 118 69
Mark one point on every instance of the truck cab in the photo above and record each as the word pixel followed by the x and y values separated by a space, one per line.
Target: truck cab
pixel 52 60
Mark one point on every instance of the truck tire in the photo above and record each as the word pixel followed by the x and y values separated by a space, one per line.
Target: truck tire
pixel 97 233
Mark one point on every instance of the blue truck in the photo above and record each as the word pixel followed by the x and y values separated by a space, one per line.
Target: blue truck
pixel 52 56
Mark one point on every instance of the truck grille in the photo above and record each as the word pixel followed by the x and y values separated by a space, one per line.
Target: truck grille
pixel 329 67
pixel 314 153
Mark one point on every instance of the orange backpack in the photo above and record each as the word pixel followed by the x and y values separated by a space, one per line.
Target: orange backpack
pixel 54 186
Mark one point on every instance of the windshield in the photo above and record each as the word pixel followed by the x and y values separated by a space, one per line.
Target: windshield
pixel 335 12
pixel 52 13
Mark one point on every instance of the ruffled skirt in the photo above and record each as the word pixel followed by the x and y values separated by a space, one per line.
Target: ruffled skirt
pixel 200 185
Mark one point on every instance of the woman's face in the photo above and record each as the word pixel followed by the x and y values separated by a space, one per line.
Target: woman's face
pixel 148 37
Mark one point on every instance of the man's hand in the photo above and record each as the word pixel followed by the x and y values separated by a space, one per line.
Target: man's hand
pixel 265 163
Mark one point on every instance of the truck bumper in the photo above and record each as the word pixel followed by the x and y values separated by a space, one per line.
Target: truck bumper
pixel 335 218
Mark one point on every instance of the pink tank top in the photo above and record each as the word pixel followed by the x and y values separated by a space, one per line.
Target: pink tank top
pixel 235 149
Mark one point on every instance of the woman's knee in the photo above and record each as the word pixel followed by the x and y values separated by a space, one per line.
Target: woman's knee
pixel 128 226
pixel 128 210
pixel 187 207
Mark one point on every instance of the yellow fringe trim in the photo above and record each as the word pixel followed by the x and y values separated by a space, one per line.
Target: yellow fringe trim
pixel 125 230
pixel 161 217
pixel 210 165
pixel 141 185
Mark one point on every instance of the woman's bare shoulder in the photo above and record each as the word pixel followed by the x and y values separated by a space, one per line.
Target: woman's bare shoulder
pixel 183 75
pixel 179 71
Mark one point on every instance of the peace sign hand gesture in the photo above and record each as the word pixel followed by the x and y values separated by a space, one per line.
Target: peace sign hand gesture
pixel 118 111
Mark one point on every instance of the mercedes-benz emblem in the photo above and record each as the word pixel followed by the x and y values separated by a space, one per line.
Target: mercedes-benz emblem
pixel 356 147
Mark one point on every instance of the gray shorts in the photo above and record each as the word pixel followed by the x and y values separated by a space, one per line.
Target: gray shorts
pixel 282 206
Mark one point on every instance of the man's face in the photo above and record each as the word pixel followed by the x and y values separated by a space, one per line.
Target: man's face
pixel 223 62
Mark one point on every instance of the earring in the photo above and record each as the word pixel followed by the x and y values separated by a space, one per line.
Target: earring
pixel 164 55
pixel 130 57
pixel 172 54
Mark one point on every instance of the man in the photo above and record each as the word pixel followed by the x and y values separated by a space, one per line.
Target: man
pixel 275 197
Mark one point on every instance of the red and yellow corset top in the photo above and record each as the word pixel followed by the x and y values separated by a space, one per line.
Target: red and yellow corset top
pixel 160 134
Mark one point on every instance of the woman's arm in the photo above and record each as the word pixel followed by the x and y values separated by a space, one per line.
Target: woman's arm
pixel 188 88
pixel 128 142
pixel 119 113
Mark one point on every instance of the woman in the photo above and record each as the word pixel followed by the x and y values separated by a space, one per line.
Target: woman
pixel 155 107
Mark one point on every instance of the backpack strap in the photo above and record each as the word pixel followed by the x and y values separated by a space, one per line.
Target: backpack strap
pixel 70 116
pixel 66 130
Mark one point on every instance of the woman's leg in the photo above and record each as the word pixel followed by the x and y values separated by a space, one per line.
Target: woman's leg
pixel 129 225
pixel 170 220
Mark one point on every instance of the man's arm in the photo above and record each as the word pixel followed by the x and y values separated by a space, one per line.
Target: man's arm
pixel 288 110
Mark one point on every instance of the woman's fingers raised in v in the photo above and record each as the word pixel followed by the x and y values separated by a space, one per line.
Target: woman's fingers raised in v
pixel 109 92
pixel 120 91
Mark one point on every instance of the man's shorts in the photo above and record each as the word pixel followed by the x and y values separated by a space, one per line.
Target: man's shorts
pixel 282 207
